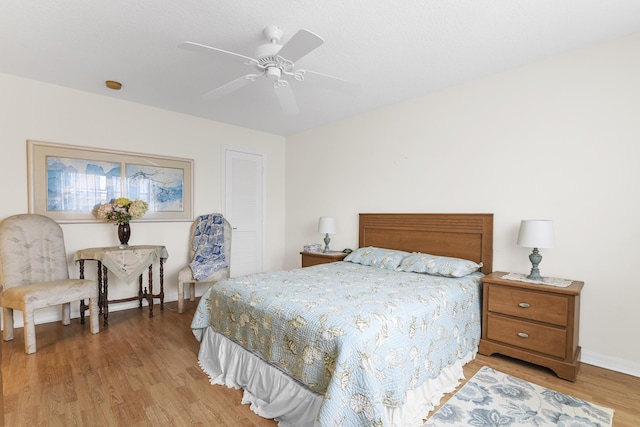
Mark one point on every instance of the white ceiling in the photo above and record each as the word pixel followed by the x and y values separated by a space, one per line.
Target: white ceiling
pixel 394 49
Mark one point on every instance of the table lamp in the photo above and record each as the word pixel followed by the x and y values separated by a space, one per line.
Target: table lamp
pixel 327 225
pixel 535 233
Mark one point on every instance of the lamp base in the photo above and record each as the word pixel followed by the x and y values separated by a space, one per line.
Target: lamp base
pixel 535 275
pixel 327 239
pixel 535 259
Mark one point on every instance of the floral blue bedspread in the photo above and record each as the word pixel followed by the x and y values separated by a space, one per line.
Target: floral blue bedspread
pixel 361 336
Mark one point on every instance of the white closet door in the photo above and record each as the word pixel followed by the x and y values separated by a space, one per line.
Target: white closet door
pixel 244 209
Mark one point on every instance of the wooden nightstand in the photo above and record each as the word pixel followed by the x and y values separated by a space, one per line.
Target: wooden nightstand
pixel 315 258
pixel 535 323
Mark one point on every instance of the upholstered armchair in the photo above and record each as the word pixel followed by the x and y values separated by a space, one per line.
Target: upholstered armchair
pixel 185 276
pixel 34 274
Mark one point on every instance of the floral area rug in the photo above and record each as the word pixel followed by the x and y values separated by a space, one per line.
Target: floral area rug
pixel 493 398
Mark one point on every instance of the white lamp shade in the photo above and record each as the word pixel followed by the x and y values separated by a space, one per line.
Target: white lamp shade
pixel 536 233
pixel 327 225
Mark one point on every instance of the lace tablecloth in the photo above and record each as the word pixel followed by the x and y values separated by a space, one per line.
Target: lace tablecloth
pixel 128 263
pixel 550 281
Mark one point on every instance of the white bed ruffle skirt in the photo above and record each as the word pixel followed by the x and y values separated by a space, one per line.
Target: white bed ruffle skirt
pixel 273 394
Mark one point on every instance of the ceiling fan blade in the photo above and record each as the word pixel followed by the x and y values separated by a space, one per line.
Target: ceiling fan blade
pixel 201 48
pixel 330 82
pixel 287 99
pixel 302 42
pixel 232 86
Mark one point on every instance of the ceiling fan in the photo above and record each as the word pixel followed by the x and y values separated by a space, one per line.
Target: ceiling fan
pixel 277 62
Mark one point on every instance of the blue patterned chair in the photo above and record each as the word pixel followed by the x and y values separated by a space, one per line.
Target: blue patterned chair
pixel 185 276
pixel 34 274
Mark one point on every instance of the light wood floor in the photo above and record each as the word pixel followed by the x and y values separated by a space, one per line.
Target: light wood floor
pixel 144 372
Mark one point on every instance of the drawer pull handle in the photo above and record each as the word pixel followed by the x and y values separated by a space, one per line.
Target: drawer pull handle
pixel 523 335
pixel 524 305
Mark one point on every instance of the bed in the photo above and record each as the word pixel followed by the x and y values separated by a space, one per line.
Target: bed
pixel 374 340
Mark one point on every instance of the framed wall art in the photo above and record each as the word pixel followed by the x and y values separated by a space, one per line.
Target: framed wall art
pixel 68 182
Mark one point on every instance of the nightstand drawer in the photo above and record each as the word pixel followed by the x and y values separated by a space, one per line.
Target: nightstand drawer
pixel 543 307
pixel 532 336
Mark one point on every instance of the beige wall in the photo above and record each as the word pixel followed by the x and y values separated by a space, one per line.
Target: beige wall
pixel 557 140
pixel 44 112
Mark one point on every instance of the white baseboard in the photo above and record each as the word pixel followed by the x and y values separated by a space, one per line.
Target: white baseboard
pixel 609 362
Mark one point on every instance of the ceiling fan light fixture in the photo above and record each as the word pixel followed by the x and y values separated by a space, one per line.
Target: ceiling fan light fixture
pixel 274 72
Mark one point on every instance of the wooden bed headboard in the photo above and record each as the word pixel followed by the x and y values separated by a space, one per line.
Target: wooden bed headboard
pixel 467 236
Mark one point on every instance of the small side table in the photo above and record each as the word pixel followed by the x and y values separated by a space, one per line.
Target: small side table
pixel 126 264
pixel 315 258
pixel 532 322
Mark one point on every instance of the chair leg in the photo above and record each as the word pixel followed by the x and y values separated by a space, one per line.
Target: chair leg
pixel 180 296
pixel 66 313
pixel 29 330
pixel 94 316
pixel 83 308
pixel 7 316
pixel 192 291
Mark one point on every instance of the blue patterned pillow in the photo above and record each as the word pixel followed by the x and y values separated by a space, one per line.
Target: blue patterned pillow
pixel 438 265
pixel 377 257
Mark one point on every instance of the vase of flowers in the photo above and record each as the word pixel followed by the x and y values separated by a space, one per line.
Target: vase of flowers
pixel 120 211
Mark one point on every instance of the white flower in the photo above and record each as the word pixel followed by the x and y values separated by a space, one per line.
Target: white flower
pixel 121 210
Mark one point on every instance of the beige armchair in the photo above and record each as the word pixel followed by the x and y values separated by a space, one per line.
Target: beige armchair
pixel 34 274
pixel 185 276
